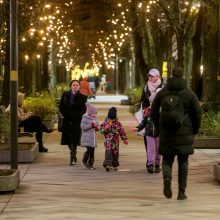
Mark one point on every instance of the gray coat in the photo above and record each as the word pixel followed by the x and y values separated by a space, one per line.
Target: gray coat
pixel 88 138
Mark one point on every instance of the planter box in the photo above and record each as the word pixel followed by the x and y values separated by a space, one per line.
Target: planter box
pixel 216 171
pixel 27 152
pixel 207 142
pixel 9 180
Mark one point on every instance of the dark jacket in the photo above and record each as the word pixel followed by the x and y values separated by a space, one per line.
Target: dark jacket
pixel 72 112
pixel 146 94
pixel 148 125
pixel 177 141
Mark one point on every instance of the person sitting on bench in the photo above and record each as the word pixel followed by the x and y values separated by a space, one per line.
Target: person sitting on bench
pixel 31 123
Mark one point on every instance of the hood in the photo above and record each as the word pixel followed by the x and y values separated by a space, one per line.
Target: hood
pixel 176 83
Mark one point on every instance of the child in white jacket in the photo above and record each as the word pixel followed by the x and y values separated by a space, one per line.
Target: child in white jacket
pixel 89 126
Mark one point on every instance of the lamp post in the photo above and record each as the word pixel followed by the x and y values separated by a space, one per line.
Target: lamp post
pixel 39 72
pixel 116 74
pixel 117 60
pixel 13 82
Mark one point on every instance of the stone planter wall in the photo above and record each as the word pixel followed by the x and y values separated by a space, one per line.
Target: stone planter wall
pixel 9 182
pixel 23 156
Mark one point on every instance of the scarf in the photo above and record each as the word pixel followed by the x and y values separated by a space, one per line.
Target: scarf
pixel 152 87
pixel 72 96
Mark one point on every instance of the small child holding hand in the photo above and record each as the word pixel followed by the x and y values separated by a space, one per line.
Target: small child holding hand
pixel 112 128
pixel 89 126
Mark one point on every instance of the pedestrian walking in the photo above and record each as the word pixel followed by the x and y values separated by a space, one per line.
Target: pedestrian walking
pixel 153 85
pixel 152 140
pixel 72 107
pixel 89 126
pixel 85 88
pixel 112 129
pixel 176 114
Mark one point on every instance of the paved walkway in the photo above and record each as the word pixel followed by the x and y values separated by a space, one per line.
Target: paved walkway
pixel 50 189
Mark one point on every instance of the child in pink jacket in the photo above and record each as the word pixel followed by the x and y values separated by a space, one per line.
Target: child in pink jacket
pixel 112 129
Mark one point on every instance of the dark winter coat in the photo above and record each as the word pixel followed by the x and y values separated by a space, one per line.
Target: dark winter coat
pixel 72 111
pixel 177 141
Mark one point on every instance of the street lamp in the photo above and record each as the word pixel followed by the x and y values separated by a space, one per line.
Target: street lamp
pixel 119 59
pixel 13 82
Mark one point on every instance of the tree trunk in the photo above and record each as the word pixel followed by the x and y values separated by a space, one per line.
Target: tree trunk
pixel 210 60
pixel 140 66
pixel 197 79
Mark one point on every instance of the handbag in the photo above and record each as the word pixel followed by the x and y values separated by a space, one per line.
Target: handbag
pixel 60 123
pixel 139 116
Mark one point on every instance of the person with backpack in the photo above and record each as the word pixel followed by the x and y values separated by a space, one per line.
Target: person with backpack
pixel 153 85
pixel 176 114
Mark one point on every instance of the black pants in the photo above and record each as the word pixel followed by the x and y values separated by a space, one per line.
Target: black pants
pixel 111 158
pixel 88 157
pixel 182 160
pixel 145 144
pixel 73 152
pixel 33 124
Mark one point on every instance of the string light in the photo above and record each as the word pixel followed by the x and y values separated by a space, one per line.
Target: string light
pixel 53 22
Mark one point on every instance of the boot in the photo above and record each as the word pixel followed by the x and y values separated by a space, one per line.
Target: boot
pixel 167 177
pixel 150 168
pixel 85 160
pixel 181 195
pixel 167 191
pixel 42 148
pixel 73 158
pixel 182 179
pixel 46 129
pixel 157 169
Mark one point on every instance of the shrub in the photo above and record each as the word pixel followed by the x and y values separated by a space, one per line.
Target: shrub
pixel 4 126
pixel 210 124
pixel 42 106
pixel 59 89
pixel 135 97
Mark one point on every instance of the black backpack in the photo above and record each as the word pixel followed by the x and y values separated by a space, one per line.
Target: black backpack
pixel 172 113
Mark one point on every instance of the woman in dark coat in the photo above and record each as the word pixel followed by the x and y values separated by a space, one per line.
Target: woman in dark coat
pixel 72 107
pixel 177 141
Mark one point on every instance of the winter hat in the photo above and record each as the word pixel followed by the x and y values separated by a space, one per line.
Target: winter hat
pixel 154 72
pixel 90 109
pixel 112 113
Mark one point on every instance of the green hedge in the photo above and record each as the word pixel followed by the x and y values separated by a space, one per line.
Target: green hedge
pixel 210 124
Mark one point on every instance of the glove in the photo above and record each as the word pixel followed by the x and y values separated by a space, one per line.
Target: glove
pixel 125 141
pixel 96 128
pixel 93 125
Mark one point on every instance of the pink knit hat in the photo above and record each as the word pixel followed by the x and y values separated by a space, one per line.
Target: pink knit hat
pixel 91 108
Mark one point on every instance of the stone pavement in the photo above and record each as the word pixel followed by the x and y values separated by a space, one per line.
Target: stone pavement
pixel 50 189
